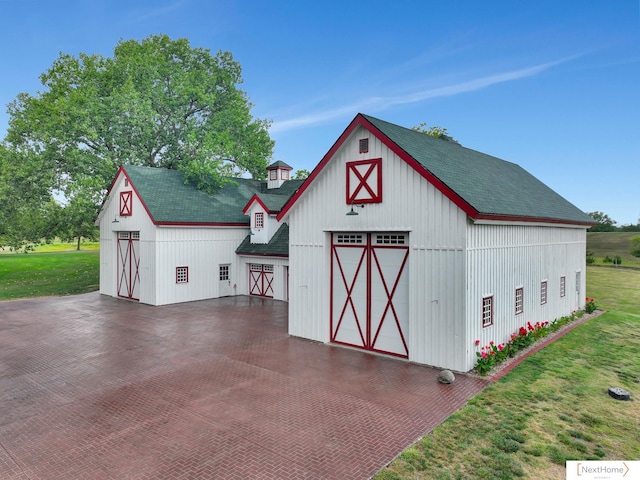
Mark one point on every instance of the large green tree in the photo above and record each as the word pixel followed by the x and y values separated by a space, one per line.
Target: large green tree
pixel 157 102
pixel 27 209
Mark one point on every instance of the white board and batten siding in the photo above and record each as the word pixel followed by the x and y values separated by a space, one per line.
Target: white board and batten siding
pixel 161 250
pixel 202 250
pixel 436 230
pixel 502 258
pixel 143 228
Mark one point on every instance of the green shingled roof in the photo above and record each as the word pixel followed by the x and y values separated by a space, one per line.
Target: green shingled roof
pixel 490 185
pixel 278 245
pixel 170 200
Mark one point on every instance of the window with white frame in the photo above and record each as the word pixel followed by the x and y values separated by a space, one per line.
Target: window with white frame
pixel 224 272
pixel 273 174
pixel 487 311
pixel 182 274
pixel 519 300
pixel 285 175
pixel 563 286
pixel 543 292
pixel 259 220
pixel 363 145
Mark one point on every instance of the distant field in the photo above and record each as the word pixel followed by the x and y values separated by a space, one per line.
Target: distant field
pixel 603 244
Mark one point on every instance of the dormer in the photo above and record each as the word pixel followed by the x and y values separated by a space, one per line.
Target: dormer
pixel 278 173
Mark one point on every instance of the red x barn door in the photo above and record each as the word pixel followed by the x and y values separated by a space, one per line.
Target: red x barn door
pixel 370 291
pixel 261 280
pixel 129 265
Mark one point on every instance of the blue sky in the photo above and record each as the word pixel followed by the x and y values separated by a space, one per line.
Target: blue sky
pixel 553 86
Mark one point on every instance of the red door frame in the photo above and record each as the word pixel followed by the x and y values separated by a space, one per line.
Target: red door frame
pixel 368 258
pixel 260 281
pixel 128 265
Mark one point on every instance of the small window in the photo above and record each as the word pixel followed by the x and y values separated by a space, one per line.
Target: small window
pixel 285 175
pixel 135 235
pixel 390 239
pixel 563 286
pixel 224 272
pixel 519 300
pixel 364 145
pixel 543 292
pixel 267 268
pixel 349 238
pixel 487 311
pixel 273 174
pixel 182 274
pixel 259 220
pixel 255 267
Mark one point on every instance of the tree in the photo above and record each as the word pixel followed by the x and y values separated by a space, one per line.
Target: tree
pixel 26 205
pixel 76 221
pixel 437 132
pixel 635 246
pixel 158 102
pixel 604 223
pixel 301 174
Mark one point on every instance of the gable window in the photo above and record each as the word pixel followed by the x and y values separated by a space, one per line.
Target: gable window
pixel 563 286
pixel 519 300
pixel 126 203
pixel 182 274
pixel 259 220
pixel 487 311
pixel 284 175
pixel 364 181
pixel 273 174
pixel 543 292
pixel 363 145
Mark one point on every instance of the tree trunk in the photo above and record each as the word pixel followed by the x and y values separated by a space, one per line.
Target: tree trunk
pixel 79 237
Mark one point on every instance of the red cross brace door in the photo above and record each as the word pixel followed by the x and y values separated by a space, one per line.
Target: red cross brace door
pixel 370 291
pixel 129 265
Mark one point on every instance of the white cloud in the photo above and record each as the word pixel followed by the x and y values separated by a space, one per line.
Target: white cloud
pixel 383 103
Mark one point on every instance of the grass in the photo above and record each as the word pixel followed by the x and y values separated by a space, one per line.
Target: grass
pixel 551 408
pixel 54 269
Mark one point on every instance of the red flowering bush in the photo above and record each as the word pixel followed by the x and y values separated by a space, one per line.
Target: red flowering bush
pixel 590 306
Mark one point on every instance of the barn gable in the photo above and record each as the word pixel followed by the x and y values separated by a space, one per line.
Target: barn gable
pixel 483 186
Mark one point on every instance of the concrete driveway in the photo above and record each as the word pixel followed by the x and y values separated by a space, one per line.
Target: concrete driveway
pixel 97 388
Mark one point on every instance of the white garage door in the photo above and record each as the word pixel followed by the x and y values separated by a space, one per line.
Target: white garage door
pixel 370 291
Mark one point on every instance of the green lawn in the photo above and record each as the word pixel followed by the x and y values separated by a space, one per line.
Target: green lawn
pixel 45 274
pixel 551 408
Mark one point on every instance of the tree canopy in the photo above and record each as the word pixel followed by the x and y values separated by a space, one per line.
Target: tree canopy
pixel 435 131
pixel 158 102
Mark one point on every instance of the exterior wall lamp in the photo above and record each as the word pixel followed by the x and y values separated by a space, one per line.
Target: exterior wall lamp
pixel 352 211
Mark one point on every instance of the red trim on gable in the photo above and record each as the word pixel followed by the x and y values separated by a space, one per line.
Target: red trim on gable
pixel 255 198
pixel 316 171
pixel 468 209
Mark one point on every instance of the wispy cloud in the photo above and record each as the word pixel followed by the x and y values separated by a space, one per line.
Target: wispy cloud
pixel 382 103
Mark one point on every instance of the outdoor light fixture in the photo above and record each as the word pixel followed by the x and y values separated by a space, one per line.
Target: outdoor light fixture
pixel 352 211
pixel 115 219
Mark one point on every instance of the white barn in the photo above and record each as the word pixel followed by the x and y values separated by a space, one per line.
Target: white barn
pixel 163 242
pixel 397 243
pixel 415 246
